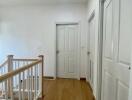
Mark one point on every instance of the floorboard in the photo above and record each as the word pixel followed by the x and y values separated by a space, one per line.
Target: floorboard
pixel 67 89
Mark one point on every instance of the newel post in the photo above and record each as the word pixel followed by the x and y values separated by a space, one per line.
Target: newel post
pixel 42 74
pixel 10 81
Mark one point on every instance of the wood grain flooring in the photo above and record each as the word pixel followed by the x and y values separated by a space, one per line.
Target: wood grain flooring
pixel 67 89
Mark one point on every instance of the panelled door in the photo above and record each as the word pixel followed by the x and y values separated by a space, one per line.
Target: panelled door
pixel 91 53
pixel 67 48
pixel 116 50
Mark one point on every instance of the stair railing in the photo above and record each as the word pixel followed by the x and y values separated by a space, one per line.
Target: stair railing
pixel 22 79
pixel 4 68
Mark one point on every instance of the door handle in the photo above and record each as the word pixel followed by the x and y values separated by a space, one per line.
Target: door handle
pixel 88 53
pixel 90 70
pixel 57 51
pixel 129 68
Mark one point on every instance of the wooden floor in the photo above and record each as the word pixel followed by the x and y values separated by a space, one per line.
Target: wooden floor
pixel 67 89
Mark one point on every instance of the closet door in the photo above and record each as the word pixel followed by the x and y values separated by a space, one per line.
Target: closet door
pixel 116 50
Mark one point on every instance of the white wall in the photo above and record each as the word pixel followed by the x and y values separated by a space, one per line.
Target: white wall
pixel 93 5
pixel 27 31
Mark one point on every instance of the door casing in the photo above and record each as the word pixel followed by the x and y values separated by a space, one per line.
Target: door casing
pixel 100 49
pixel 99 10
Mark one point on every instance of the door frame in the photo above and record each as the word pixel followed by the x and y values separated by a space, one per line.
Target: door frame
pixel 79 46
pixel 100 48
pixel 99 17
pixel 99 14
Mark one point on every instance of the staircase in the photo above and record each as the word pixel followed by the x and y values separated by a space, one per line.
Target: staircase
pixel 21 79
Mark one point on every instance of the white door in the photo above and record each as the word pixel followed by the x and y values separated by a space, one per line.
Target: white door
pixel 67 47
pixel 91 52
pixel 116 50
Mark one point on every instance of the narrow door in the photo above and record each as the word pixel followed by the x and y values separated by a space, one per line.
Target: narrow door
pixel 67 46
pixel 116 50
pixel 91 52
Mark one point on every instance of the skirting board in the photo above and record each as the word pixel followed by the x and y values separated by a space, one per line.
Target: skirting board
pixel 48 77
pixel 91 90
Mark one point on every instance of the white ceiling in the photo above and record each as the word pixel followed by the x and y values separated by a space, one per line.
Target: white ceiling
pixel 23 2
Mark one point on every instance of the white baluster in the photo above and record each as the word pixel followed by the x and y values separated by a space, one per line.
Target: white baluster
pixel 6 90
pixel 35 81
pixel 19 86
pixel 23 89
pixel 28 85
pixel 31 81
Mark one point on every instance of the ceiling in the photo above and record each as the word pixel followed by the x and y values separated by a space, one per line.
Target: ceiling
pixel 24 2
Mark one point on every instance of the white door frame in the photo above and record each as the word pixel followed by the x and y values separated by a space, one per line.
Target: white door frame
pixel 100 49
pixel 79 46
pixel 100 11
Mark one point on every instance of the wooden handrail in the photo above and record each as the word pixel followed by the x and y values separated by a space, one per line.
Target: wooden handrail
pixel 17 71
pixel 4 63
pixel 25 59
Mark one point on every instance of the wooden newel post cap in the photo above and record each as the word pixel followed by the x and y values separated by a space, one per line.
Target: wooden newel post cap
pixel 41 56
pixel 10 56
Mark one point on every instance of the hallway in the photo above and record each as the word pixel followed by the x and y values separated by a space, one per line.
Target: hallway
pixel 67 89
pixel 69 39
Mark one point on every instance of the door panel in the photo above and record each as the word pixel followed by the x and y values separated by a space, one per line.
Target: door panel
pixel 124 35
pixel 108 31
pixel 116 50
pixel 67 44
pixel 122 91
pixel 109 84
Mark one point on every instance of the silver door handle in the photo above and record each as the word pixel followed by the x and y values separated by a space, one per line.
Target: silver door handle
pixel 129 68
pixel 57 51
pixel 88 53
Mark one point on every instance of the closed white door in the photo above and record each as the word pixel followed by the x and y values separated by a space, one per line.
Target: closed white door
pixel 67 47
pixel 91 53
pixel 116 50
